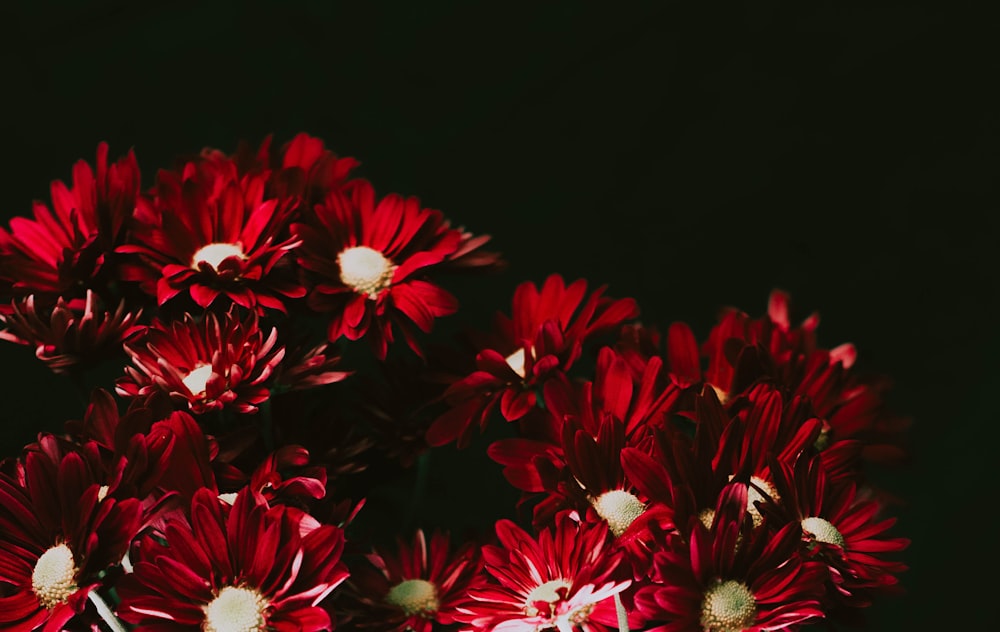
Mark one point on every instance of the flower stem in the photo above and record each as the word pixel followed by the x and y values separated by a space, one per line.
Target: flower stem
pixel 622 615
pixel 105 611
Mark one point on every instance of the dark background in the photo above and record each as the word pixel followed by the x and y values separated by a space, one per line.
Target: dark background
pixel 688 157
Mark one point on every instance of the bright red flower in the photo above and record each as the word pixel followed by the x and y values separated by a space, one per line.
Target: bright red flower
pixel 245 566
pixel 68 340
pixel 204 365
pixel 369 260
pixel 307 170
pixel 731 577
pixel 209 231
pixel 544 338
pixel 413 587
pixel 842 530
pixel 63 251
pixel 58 533
pixel 566 579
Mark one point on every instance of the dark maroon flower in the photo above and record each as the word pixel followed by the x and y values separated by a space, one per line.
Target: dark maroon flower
pixel 65 339
pixel 544 338
pixel 245 566
pixel 204 364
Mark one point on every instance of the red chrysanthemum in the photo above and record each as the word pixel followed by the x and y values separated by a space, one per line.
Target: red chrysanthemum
pixel 203 364
pixel 208 231
pixel 369 262
pixel 66 339
pixel 841 529
pixel 731 577
pixel 566 579
pixel 544 338
pixel 63 251
pixel 59 532
pixel 412 588
pixel 239 568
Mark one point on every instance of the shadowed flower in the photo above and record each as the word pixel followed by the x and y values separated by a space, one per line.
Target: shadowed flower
pixel 368 262
pixel 205 365
pixel 63 250
pixel 59 532
pixel 65 339
pixel 413 587
pixel 235 568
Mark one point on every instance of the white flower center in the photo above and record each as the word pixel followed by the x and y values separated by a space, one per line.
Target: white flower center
pixel 707 517
pixel 197 380
pixel 102 492
pixel 619 509
pixel 753 496
pixel 229 498
pixel 235 610
pixel 823 530
pixel 516 362
pixel 547 593
pixel 728 606
pixel 214 254
pixel 54 577
pixel 365 270
pixel 414 596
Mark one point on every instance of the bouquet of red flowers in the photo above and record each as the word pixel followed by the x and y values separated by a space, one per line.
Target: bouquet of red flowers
pixel 267 322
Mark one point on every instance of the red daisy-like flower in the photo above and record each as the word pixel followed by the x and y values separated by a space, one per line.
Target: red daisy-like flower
pixel 732 577
pixel 65 339
pixel 63 251
pixel 239 568
pixel 308 170
pixel 59 532
pixel 566 579
pixel 209 231
pixel 544 338
pixel 369 262
pixel 413 587
pixel 840 529
pixel 203 364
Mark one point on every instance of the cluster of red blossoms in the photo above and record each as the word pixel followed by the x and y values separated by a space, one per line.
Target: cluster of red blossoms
pixel 217 484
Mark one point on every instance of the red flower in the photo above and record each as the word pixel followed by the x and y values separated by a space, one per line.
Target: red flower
pixel 369 263
pixel 205 364
pixel 842 530
pixel 566 580
pixel 59 533
pixel 209 231
pixel 731 578
pixel 63 251
pixel 544 338
pixel 413 588
pixel 308 171
pixel 242 567
pixel 65 339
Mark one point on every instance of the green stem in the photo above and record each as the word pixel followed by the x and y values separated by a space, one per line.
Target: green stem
pixel 622 615
pixel 105 611
pixel 419 487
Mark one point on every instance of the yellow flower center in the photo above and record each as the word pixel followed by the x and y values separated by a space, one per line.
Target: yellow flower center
pixel 235 609
pixel 215 254
pixel 728 606
pixel 414 596
pixel 619 509
pixel 365 270
pixel 823 531
pixel 197 380
pixel 54 577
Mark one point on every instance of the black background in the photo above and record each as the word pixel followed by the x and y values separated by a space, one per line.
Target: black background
pixel 688 157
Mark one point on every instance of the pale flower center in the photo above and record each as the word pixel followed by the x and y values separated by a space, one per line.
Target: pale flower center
pixel 53 579
pixel 619 509
pixel 516 362
pixel 229 498
pixel 823 531
pixel 102 492
pixel 753 496
pixel 728 606
pixel 414 596
pixel 197 380
pixel 214 254
pixel 365 270
pixel 547 593
pixel 235 610
pixel 707 517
